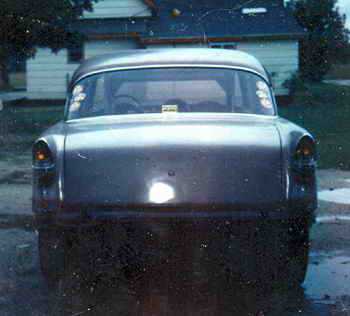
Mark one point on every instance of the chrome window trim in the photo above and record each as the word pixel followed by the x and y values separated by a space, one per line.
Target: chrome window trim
pixel 170 66
pixel 200 115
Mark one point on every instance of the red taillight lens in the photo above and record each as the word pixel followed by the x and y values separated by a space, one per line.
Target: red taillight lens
pixel 42 156
pixel 305 152
pixel 305 160
pixel 43 164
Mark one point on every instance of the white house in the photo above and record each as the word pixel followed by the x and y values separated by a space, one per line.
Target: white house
pixel 264 28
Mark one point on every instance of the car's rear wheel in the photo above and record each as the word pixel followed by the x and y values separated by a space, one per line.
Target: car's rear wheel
pixel 269 255
pixel 290 258
pixel 298 253
pixel 52 255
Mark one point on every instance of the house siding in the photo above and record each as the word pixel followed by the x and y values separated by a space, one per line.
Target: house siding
pixel 48 73
pixel 95 48
pixel 118 9
pixel 280 57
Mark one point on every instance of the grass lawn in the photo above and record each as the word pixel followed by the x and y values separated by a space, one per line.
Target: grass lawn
pixel 324 110
pixel 21 125
pixel 340 71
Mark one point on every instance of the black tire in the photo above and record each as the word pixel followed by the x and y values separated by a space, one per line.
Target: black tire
pixel 298 252
pixel 52 248
pixel 286 264
pixel 278 258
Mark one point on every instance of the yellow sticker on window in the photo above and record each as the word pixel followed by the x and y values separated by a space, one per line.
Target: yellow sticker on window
pixel 169 108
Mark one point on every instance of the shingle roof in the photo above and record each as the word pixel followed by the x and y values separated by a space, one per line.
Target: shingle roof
pixel 93 27
pixel 200 20
pixel 222 23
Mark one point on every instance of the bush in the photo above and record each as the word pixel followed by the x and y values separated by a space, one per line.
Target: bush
pixel 295 84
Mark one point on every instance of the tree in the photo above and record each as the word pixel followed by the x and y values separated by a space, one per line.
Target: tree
pixel 326 39
pixel 27 24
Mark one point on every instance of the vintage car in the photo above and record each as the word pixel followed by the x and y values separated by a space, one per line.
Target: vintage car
pixel 162 150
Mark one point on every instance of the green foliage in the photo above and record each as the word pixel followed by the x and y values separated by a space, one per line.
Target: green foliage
pixel 21 125
pixel 327 37
pixel 27 24
pixel 294 84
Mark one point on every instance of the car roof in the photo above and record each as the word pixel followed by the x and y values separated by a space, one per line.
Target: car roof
pixel 173 57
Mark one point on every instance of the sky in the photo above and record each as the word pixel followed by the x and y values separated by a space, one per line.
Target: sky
pixel 344 6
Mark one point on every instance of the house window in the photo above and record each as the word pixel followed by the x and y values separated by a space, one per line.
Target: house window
pixel 76 53
pixel 223 45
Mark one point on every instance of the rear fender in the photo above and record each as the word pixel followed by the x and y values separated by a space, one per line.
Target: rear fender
pixel 48 196
pixel 299 196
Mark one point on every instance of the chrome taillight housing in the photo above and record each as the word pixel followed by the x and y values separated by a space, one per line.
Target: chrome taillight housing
pixel 43 163
pixel 305 160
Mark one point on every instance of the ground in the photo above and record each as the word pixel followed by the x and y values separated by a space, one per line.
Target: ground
pixel 23 292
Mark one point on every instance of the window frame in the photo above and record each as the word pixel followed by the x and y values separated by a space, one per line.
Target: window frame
pixel 170 66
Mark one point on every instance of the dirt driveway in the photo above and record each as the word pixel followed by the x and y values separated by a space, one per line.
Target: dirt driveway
pixel 15 188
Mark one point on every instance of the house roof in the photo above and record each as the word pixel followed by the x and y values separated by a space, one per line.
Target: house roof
pixel 200 57
pixel 113 27
pixel 199 21
pixel 219 24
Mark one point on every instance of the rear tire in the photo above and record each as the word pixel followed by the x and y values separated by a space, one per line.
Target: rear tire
pixel 52 247
pixel 289 260
pixel 278 257
pixel 298 253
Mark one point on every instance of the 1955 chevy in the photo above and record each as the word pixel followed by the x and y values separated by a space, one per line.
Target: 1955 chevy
pixel 180 147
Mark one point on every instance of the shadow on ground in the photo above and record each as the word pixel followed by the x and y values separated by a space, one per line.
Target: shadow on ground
pixel 159 295
pixel 161 290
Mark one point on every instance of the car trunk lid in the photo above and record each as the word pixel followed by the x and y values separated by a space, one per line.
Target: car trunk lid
pixel 173 160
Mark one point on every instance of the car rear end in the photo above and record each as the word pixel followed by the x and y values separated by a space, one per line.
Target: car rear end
pixel 148 170
pixel 217 196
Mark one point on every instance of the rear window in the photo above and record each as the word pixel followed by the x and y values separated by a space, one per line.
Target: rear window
pixel 165 90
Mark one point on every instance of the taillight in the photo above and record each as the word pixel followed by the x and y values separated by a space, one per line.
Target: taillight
pixel 305 153
pixel 305 160
pixel 42 156
pixel 43 163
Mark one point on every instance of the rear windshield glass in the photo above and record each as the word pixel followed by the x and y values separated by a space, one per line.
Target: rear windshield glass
pixel 170 90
